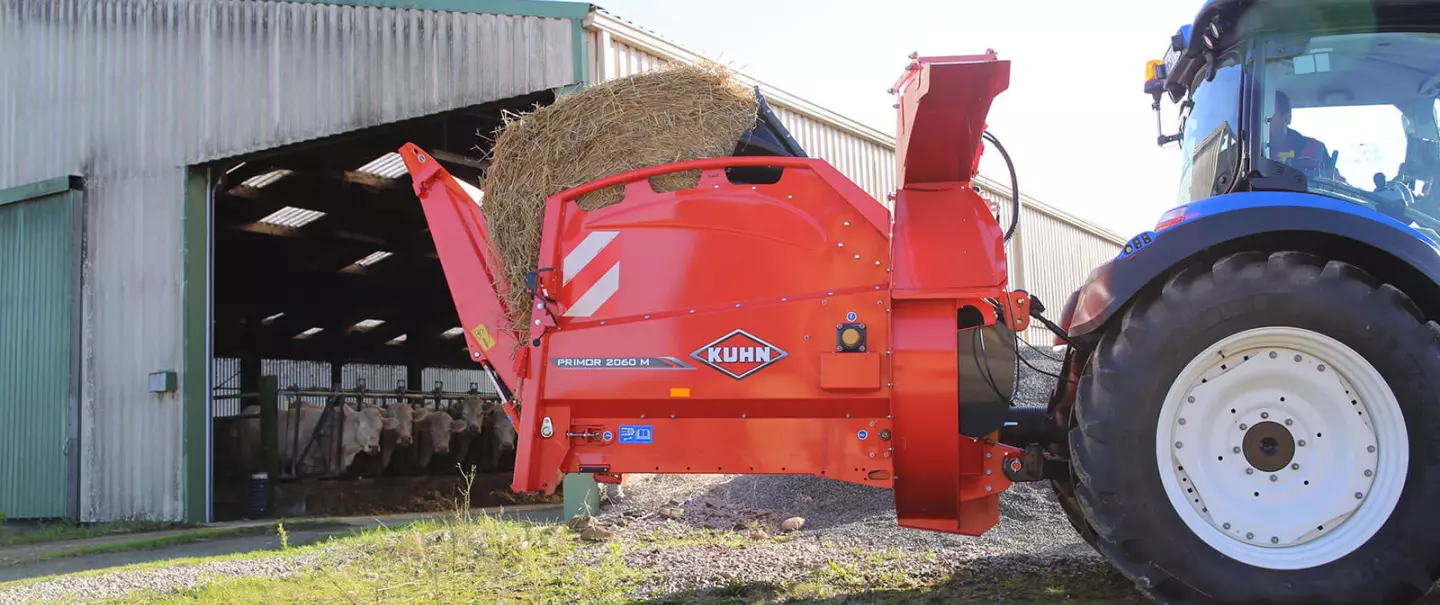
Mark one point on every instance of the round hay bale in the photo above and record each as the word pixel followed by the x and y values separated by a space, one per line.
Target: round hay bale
pixel 676 113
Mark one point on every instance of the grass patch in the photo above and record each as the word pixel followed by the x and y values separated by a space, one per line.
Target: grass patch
pixel 486 560
pixel 166 541
pixel 463 561
pixel 191 561
pixel 70 530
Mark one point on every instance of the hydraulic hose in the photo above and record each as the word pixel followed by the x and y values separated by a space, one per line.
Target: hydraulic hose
pixel 1014 185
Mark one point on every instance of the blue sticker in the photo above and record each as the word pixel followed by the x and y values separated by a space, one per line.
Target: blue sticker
pixel 863 434
pixel 636 433
pixel 607 436
pixel 850 316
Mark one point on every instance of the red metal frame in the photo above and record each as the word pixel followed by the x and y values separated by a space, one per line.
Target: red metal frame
pixel 697 331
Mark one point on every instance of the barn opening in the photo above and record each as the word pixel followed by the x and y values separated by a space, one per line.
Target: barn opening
pixel 325 277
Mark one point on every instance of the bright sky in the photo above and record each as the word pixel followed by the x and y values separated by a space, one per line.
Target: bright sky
pixel 1075 119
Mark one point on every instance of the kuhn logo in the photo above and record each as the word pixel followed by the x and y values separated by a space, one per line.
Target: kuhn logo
pixel 738 354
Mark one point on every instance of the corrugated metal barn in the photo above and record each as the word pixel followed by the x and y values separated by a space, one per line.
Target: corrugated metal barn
pixel 197 192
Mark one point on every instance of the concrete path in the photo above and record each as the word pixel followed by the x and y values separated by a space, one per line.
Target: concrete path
pixel 305 531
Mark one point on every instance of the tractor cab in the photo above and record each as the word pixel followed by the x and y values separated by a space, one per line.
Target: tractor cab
pixel 1337 98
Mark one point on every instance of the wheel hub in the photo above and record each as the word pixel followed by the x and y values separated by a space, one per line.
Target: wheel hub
pixel 1268 446
pixel 1271 447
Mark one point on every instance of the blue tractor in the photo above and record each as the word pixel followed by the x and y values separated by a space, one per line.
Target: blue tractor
pixel 1251 390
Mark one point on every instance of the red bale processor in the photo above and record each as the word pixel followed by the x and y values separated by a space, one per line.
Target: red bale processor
pixel 766 325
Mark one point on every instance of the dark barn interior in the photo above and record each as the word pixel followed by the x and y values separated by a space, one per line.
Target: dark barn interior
pixel 323 261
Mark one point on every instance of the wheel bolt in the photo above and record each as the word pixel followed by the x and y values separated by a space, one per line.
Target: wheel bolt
pixel 1273 355
pixel 1191 399
pixel 1249 471
pixel 1289 422
pixel 1274 540
pixel 1359 495
pixel 1370 449
pixel 1249 535
pixel 1369 473
pixel 1320 367
pixel 1302 443
pixel 1227 526
pixel 1179 445
pixel 1297 358
pixel 1244 426
pixel 1274 478
pixel 1295 467
pixel 1182 421
pixel 1235 450
pixel 1264 414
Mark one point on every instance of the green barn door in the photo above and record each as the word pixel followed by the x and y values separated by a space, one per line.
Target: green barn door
pixel 39 266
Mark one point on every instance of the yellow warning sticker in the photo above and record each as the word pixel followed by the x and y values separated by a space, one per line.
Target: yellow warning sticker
pixel 482 336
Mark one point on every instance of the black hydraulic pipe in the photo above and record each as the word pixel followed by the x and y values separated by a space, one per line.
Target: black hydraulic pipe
pixel 1025 425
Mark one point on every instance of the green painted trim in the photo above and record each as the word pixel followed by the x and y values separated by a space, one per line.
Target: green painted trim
pixel 582 495
pixel 524 8
pixel 582 53
pixel 195 373
pixel 43 188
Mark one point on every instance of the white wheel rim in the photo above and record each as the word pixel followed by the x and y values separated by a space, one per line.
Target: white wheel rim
pixel 1355 452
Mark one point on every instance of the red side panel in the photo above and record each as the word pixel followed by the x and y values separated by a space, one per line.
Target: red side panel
pixel 692 327
pixel 947 244
pixel 472 268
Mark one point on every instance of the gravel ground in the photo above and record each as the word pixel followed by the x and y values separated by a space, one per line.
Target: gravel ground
pixel 844 522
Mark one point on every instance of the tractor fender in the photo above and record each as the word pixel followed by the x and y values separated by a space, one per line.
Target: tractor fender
pixel 1229 223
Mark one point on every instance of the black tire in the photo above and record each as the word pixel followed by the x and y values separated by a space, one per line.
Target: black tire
pixel 1117 479
pixel 1069 503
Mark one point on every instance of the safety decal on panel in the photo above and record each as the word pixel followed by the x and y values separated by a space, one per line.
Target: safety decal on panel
pixel 483 337
pixel 620 363
pixel 586 291
pixel 636 433
pixel 739 354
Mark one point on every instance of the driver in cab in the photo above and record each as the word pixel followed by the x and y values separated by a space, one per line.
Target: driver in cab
pixel 1297 150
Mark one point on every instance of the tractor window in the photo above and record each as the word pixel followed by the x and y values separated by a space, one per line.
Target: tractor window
pixel 1354 112
pixel 1210 136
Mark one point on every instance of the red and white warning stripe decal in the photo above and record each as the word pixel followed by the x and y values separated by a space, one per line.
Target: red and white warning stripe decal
pixel 588 290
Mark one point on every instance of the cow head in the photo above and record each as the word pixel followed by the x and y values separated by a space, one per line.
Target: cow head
pixel 499 422
pixel 361 431
pixel 439 426
pixel 473 411
pixel 404 416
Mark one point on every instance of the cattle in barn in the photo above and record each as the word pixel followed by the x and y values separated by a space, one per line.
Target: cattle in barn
pixel 399 439
pixel 434 435
pixel 472 410
pixel 498 438
pixel 359 429
pixel 468 445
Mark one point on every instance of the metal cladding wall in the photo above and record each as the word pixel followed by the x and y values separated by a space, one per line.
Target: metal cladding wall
pixel 38 249
pixel 128 93
pixel 863 154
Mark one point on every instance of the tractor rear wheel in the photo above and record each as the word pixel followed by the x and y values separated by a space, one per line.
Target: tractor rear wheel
pixel 1265 429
